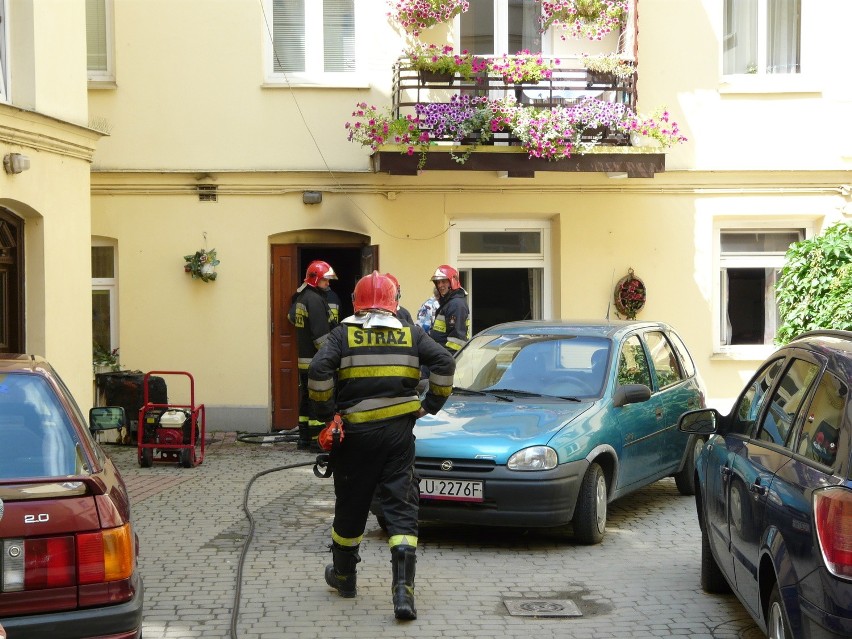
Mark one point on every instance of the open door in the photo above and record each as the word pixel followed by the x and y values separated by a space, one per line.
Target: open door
pixel 11 283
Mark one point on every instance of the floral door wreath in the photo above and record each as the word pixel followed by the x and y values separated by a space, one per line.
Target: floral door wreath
pixel 629 295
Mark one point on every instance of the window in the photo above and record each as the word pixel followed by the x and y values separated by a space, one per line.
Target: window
pixel 821 428
pixel 749 263
pixel 501 26
pixel 664 359
pixel 762 37
pixel 313 38
pixel 104 297
pixel 4 58
pixel 786 402
pixel 632 365
pixel 99 40
pixel 751 402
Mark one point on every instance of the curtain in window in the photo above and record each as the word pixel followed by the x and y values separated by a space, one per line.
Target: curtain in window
pixel 288 36
pixel 740 37
pixel 96 35
pixel 770 313
pixel 477 27
pixel 783 36
pixel 523 26
pixel 339 35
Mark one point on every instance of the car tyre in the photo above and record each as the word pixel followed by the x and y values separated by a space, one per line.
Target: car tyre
pixel 187 457
pixel 590 514
pixel 712 578
pixel 685 479
pixel 146 457
pixel 777 624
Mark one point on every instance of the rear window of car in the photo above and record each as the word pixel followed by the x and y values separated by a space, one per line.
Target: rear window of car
pixel 819 437
pixel 36 436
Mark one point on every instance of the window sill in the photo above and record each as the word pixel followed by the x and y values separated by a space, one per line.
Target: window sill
pixel 316 83
pixel 102 85
pixel 763 84
pixel 756 353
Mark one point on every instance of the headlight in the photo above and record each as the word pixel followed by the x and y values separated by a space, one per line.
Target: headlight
pixel 534 458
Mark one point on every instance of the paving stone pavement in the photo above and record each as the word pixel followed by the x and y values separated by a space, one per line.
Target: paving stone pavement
pixel 642 581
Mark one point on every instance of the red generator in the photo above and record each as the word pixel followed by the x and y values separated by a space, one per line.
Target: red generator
pixel 170 433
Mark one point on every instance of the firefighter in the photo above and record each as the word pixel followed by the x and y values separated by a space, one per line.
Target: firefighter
pixel 451 328
pixel 377 359
pixel 401 312
pixel 314 318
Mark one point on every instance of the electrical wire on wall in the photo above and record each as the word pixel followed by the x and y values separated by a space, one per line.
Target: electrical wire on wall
pixel 319 150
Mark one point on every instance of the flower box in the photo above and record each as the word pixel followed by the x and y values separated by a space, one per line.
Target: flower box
pixel 435 77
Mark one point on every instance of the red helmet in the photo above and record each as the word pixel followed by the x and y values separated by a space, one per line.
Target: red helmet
pixel 447 272
pixel 318 270
pixel 375 291
pixel 395 281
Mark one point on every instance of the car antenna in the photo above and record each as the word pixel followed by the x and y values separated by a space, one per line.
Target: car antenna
pixel 609 303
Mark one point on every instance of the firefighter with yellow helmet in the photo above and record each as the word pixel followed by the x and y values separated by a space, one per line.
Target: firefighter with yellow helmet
pixel 451 328
pixel 377 360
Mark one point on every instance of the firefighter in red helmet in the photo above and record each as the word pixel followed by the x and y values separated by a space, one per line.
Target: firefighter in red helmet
pixel 452 318
pixel 314 318
pixel 401 312
pixel 377 360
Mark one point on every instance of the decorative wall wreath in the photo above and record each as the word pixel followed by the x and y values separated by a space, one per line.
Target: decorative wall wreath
pixel 202 264
pixel 629 295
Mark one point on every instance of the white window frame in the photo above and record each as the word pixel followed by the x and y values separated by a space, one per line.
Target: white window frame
pixel 4 52
pixel 109 284
pixel 106 76
pixel 501 31
pixel 542 260
pixel 755 352
pixel 762 37
pixel 314 75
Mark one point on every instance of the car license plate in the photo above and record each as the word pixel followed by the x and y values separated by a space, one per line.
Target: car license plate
pixel 451 489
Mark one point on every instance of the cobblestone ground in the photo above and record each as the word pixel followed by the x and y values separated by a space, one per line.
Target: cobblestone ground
pixel 642 581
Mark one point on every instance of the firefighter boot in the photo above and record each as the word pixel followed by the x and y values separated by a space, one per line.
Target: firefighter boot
pixel 403 560
pixel 340 574
pixel 304 442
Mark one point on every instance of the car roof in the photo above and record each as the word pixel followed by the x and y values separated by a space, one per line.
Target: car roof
pixel 10 362
pixel 582 328
pixel 825 340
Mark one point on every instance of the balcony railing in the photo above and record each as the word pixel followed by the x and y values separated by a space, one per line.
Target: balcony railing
pixel 566 86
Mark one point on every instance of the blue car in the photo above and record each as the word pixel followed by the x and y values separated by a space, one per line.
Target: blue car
pixel 774 494
pixel 549 421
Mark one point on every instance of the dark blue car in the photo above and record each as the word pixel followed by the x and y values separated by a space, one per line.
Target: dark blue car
pixel 774 494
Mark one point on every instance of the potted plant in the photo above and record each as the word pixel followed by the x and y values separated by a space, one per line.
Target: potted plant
pixel 373 128
pixel 522 68
pixel 597 118
pixel 104 360
pixel 590 19
pixel 607 68
pixel 413 16
pixel 201 264
pixel 656 130
pixel 544 133
pixel 442 64
pixel 465 119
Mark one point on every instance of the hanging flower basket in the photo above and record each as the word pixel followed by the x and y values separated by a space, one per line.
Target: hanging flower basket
pixel 202 265
pixel 589 19
pixel 629 295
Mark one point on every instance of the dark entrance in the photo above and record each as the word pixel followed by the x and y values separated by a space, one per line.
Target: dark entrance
pixel 12 338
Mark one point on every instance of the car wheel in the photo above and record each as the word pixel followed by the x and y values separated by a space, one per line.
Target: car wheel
pixel 685 479
pixel 187 457
pixel 590 514
pixel 712 578
pixel 777 625
pixel 146 457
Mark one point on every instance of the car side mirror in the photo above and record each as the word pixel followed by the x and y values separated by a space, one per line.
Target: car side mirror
pixel 106 418
pixel 699 422
pixel 631 394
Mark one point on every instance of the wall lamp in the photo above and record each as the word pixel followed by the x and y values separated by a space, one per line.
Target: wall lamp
pixel 16 163
pixel 312 197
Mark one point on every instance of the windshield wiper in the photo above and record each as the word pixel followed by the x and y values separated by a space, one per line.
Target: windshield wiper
pixel 523 393
pixel 470 391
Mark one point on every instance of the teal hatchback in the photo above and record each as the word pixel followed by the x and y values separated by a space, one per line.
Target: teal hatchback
pixel 549 421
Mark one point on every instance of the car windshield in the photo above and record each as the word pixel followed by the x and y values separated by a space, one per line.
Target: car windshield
pixel 36 437
pixel 561 366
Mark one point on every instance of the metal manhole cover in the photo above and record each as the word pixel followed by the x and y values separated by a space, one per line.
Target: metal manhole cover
pixel 542 608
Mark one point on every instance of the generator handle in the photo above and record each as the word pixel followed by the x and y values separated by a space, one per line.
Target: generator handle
pixel 160 373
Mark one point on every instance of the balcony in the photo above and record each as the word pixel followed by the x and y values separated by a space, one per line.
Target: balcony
pixel 606 151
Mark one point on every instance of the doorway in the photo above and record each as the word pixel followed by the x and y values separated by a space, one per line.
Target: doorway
pixel 289 264
pixel 12 333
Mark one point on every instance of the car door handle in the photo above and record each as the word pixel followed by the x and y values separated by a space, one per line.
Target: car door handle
pixel 659 413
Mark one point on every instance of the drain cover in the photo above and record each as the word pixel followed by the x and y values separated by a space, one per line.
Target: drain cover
pixel 542 608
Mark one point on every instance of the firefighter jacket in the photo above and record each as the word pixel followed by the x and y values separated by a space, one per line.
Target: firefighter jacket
pixel 312 317
pixel 451 328
pixel 378 371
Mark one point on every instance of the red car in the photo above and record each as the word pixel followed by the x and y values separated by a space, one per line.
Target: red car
pixel 68 565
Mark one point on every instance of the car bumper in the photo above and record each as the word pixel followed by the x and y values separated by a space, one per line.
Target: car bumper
pixel 530 499
pixel 818 624
pixel 119 621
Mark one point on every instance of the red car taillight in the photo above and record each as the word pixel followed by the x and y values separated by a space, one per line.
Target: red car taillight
pixel 833 514
pixel 54 562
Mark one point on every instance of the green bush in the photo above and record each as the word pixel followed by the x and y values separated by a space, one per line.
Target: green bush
pixel 815 287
